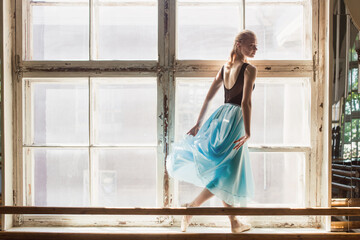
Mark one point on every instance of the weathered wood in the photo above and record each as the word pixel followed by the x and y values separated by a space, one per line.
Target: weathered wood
pixel 180 236
pixel 348 211
pixel 266 68
pixel 269 66
pixel 84 4
pixel 8 139
pixel 184 68
pixel 259 148
pixel 314 169
pixel 92 68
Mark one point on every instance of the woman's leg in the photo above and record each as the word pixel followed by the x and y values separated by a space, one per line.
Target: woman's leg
pixel 232 218
pixel 200 199
pixel 236 226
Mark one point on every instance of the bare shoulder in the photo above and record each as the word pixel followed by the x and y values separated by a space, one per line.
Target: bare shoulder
pixel 251 69
pixel 250 72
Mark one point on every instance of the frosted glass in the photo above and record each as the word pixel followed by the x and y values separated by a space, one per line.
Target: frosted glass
pixel 275 1
pixel 207 32
pixel 126 177
pixel 279 179
pixel 281 112
pixel 189 98
pixel 187 193
pixel 281 30
pixel 61 177
pixel 280 109
pixel 59 32
pixel 57 1
pixel 235 1
pixel 125 111
pixel 126 32
pixel 60 113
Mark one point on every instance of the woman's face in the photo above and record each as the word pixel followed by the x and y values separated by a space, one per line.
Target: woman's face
pixel 248 47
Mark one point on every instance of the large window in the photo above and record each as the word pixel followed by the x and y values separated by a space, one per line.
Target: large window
pixel 282 28
pixel 90 148
pixel 106 86
pixel 109 30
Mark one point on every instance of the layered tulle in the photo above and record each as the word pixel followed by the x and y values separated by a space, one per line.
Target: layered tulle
pixel 209 160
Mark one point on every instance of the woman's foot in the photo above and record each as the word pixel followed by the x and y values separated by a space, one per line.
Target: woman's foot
pixel 238 227
pixel 186 219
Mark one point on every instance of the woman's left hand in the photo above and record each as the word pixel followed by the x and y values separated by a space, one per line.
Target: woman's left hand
pixel 241 141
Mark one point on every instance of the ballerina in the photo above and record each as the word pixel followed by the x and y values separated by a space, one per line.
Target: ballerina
pixel 215 155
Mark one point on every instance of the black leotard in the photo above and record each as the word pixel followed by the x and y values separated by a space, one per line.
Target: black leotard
pixel 235 94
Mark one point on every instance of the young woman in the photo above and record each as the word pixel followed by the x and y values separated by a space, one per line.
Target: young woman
pixel 215 155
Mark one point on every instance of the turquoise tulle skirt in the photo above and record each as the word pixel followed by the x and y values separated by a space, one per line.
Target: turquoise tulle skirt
pixel 209 160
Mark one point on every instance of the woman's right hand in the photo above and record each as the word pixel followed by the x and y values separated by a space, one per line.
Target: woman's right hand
pixel 241 141
pixel 194 130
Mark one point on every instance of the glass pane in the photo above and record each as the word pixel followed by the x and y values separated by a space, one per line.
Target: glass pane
pixel 61 177
pixel 207 31
pixel 354 74
pixel 60 112
pixel 281 112
pixel 278 180
pixel 126 31
pixel 58 1
pixel 347 151
pixel 275 1
pixel 353 54
pixel 283 30
pixel 280 109
pixel 126 177
pixel 221 1
pixel 190 95
pixel 58 31
pixel 125 111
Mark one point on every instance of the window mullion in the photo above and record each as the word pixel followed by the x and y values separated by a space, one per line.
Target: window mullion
pixel 91 178
pixel 91 43
pixel 172 62
pixel 162 40
pixel 242 9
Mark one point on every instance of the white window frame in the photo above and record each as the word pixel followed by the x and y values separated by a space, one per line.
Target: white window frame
pixel 166 69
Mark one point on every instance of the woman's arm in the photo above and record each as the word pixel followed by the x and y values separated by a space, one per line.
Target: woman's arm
pixel 249 79
pixel 211 93
pixel 216 84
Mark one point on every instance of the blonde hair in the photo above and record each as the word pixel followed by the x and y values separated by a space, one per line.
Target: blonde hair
pixel 243 35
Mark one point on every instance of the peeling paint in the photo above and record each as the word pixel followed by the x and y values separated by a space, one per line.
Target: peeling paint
pixel 86 69
pixel 166 17
pixel 166 148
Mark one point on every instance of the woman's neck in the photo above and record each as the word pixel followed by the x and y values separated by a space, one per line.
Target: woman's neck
pixel 239 58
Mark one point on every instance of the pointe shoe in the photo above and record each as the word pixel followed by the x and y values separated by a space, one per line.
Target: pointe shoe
pixel 184 222
pixel 242 227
